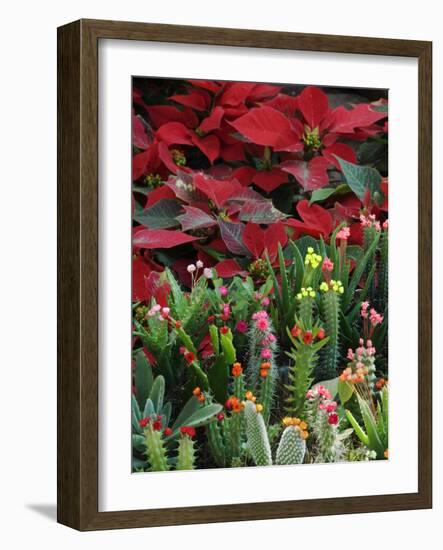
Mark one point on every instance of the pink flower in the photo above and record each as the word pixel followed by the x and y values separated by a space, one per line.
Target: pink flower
pixel 165 312
pixel 223 291
pixel 364 310
pixel 207 273
pixel 327 265
pixel 386 225
pixel 350 354
pixel 266 353
pixel 333 419
pixel 262 324
pixel 265 302
pixel 375 317
pixel 241 326
pixel 154 309
pixel 271 338
pixel 331 407
pixel 260 315
pixel 344 234
pixel 199 264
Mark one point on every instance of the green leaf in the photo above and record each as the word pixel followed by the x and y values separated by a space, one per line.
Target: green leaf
pixel 199 418
pixel 138 442
pixel 375 442
pixel 321 194
pixel 345 391
pixel 161 215
pixel 190 407
pixel 228 348
pixel 149 409
pixel 283 277
pixel 358 431
pixel 218 376
pixel 157 393
pixel 360 178
pixel 143 378
pixel 299 266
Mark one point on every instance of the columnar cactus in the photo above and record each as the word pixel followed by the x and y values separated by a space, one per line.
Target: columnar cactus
pixel 216 443
pixel 186 453
pixel 257 437
pixel 330 302
pixel 155 449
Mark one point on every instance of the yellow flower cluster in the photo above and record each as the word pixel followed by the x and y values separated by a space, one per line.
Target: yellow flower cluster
pixel 305 292
pixel 312 258
pixel 296 422
pixel 336 286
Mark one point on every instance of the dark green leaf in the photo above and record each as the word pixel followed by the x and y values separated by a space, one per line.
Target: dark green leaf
pixel 360 178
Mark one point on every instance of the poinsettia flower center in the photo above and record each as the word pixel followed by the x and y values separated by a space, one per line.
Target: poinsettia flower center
pixel 178 157
pixel 312 139
pixel 153 180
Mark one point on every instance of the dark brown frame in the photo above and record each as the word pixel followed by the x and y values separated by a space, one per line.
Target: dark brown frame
pixel 77 274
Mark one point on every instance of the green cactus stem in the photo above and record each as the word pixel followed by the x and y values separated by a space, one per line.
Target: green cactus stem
pixel 291 448
pixel 306 309
pixel 327 368
pixel 382 294
pixel 257 437
pixel 216 443
pixel 266 394
pixel 300 378
pixel 186 453
pixel 155 450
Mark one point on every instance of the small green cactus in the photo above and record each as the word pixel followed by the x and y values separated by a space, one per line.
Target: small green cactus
pixel 257 437
pixel 292 447
pixel 327 368
pixel 155 450
pixel 186 453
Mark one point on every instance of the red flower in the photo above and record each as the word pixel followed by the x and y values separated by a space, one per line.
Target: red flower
pixel 190 357
pixel 224 330
pixel 220 416
pixel 188 430
pixel 296 331
pixel 333 419
pixel 307 337
pixel 167 432
pixel 143 422
pixel 157 425
pixel 321 334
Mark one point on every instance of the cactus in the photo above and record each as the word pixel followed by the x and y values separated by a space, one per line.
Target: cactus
pixel 292 447
pixel 186 453
pixel 155 450
pixel 216 443
pixel 327 368
pixel 306 306
pixel 257 437
pixel 383 284
pixel 266 394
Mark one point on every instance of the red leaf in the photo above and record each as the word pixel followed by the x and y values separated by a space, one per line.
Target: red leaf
pixel 232 153
pixel 212 122
pixel 209 146
pixel 194 218
pixel 161 114
pixel 210 85
pixel 244 175
pixel 311 175
pixel 316 220
pixel 139 137
pixel 229 268
pixel 155 195
pixel 235 93
pixel 174 133
pixel 263 91
pixel 254 239
pixel 284 103
pixel 216 190
pixel 266 126
pixel 345 122
pixel 139 163
pixel 160 238
pixel 341 150
pixel 197 99
pixel 268 180
pixel 273 235
pixel 140 272
pixel 314 105
pixel 232 235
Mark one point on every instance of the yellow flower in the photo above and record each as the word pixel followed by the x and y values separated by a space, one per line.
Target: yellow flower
pixel 259 408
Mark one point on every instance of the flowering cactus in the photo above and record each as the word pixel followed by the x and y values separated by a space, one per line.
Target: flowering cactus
pixel 292 446
pixel 186 451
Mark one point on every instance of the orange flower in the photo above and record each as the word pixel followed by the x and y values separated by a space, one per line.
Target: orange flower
pixel 259 408
pixel 263 373
pixel 250 396
pixel 236 369
pixel 386 453
pixel 196 391
pixel 201 398
pixel 265 366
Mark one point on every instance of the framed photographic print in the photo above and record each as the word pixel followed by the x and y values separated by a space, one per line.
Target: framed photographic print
pixel 244 281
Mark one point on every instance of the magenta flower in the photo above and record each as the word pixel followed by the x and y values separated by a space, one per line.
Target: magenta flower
pixel 241 326
pixel 266 353
pixel 262 324
pixel 223 291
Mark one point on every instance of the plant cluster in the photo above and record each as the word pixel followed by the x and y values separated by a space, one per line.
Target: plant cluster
pixel 260 275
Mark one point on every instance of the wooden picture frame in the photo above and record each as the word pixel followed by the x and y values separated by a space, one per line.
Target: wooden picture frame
pixel 78 274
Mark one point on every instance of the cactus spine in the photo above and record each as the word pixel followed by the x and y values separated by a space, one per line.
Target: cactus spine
pixel 292 447
pixel 186 454
pixel 155 450
pixel 258 441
